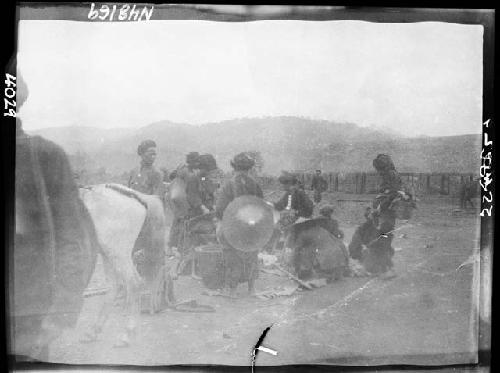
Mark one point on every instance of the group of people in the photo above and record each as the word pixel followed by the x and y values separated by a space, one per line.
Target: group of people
pixel 198 205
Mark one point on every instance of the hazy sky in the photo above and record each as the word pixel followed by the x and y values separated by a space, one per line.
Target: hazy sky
pixel 419 78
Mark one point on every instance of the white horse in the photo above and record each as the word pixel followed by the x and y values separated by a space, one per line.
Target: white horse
pixel 121 216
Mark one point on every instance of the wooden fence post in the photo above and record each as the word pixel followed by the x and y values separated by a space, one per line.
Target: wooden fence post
pixel 363 182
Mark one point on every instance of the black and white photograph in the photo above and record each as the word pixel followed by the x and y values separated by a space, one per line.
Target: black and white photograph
pixel 250 186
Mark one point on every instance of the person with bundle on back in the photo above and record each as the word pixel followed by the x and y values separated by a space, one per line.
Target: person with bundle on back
pixel 201 227
pixel 185 200
pixel 381 221
pixel 239 266
pixel 189 194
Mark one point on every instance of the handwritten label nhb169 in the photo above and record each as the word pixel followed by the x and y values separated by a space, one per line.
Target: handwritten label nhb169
pixel 125 12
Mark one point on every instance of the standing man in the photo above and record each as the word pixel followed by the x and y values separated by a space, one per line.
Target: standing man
pixel 239 266
pixel 318 185
pixel 146 178
pixel 55 245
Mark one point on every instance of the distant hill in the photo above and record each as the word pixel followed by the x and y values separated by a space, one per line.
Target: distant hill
pixel 423 154
pixel 286 143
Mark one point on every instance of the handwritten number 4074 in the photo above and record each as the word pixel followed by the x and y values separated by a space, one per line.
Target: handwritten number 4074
pixel 9 102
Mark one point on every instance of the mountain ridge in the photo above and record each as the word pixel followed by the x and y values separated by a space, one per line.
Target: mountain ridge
pixel 285 143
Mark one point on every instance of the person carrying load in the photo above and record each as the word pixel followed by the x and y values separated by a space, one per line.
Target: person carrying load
pixel 245 225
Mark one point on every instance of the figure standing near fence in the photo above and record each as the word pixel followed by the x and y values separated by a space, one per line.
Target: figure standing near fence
pixel 318 185
pixel 466 193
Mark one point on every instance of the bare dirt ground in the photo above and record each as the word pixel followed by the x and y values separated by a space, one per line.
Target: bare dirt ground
pixel 423 316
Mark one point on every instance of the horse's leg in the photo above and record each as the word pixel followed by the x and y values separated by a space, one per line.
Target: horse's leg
pixel 193 268
pixel 133 288
pixel 121 295
pixel 106 306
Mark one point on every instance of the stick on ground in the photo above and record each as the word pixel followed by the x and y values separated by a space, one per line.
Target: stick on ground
pixel 295 278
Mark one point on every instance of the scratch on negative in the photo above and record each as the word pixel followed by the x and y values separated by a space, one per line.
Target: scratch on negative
pixel 258 346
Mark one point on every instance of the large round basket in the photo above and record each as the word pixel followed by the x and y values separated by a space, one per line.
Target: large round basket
pixel 247 223
pixel 210 265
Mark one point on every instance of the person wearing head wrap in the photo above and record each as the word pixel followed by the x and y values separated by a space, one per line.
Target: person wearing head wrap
pixel 189 174
pixel 187 203
pixel 239 266
pixel 379 254
pixel 193 160
pixel 318 185
pixel 391 183
pixel 201 227
pixel 55 244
